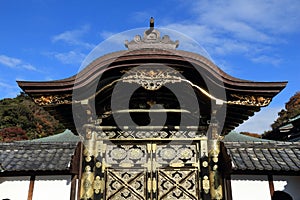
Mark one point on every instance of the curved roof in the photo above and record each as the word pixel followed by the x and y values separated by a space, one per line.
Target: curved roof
pixel 153 62
pixel 182 60
pixel 243 97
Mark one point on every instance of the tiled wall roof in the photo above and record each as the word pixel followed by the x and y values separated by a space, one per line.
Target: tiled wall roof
pixel 269 156
pixel 28 156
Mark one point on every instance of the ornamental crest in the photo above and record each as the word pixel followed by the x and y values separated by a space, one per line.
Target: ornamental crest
pixel 152 79
pixel 151 39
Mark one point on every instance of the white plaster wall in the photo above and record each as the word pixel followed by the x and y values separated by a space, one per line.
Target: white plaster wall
pixel 289 184
pixel 14 188
pixel 249 187
pixel 52 187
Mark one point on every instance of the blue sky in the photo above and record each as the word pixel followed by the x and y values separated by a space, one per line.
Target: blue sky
pixel 257 40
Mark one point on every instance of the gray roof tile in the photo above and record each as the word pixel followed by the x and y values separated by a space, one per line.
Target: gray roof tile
pixel 269 156
pixel 41 156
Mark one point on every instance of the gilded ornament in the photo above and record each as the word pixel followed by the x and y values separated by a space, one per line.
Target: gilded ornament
pixel 154 184
pixel 177 164
pixel 149 185
pixel 87 169
pixel 98 164
pixel 205 184
pixel 98 184
pixel 205 164
pixel 87 184
pixel 168 153
pixel 152 79
pixel 118 153
pixel 53 99
pixel 215 167
pixel 135 154
pixel 126 164
pixel 248 100
pixel 215 159
pixel 186 153
pixel 88 158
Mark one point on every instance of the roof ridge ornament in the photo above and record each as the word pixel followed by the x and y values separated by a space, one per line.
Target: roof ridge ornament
pixel 151 40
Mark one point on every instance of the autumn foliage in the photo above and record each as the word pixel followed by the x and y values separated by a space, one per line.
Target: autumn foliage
pixel 12 134
pixel 21 118
pixel 251 134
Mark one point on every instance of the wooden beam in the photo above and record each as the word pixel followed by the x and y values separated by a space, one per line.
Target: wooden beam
pixel 31 187
pixel 73 187
pixel 80 170
pixel 227 188
pixel 271 184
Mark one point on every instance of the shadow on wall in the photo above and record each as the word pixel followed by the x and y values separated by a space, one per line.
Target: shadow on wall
pixel 290 187
pixel 281 195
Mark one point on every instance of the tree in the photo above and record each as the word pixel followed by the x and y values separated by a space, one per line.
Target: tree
pixel 292 108
pixel 12 134
pixel 21 112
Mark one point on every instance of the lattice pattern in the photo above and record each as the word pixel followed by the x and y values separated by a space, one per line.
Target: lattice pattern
pixel 126 184
pixel 177 184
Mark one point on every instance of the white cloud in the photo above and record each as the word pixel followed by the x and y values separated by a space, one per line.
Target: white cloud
pixel 5 85
pixel 261 121
pixel 70 57
pixel 8 90
pixel 74 37
pixel 273 16
pixel 267 59
pixel 16 63
pixel 9 61
pixel 241 27
pixel 213 42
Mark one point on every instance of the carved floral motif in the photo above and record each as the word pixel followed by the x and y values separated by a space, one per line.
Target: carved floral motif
pixel 53 99
pixel 248 100
pixel 152 79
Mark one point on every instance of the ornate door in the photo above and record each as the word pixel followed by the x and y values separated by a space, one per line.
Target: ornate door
pixel 151 170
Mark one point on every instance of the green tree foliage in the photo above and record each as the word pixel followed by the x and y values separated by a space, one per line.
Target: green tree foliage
pixel 22 113
pixel 292 108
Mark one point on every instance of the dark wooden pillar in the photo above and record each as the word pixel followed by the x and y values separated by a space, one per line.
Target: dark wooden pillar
pixel 227 188
pixel 271 184
pixel 31 187
pixel 73 187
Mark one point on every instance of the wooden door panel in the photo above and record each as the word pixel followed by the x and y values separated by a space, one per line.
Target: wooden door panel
pixel 148 170
pixel 126 184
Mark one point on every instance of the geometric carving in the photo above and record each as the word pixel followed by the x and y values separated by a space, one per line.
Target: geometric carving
pixel 124 185
pixel 120 134
pixel 151 171
pixel 178 184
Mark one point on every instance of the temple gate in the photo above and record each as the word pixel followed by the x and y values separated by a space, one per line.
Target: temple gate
pixel 151 120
